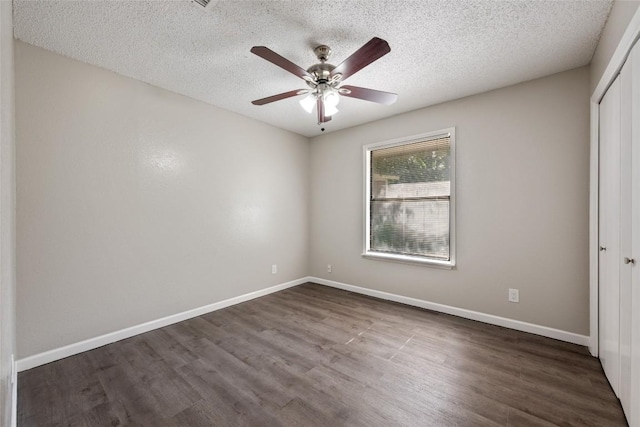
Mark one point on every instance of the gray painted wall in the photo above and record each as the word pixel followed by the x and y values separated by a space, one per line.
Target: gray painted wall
pixel 7 208
pixel 135 203
pixel 522 203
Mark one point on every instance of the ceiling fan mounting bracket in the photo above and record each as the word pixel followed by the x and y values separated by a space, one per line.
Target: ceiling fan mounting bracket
pixel 322 52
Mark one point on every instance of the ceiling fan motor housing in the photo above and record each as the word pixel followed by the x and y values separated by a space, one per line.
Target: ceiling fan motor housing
pixel 321 72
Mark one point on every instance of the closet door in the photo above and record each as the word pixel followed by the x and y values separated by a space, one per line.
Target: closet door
pixel 624 260
pixel 609 238
pixel 619 281
pixel 633 413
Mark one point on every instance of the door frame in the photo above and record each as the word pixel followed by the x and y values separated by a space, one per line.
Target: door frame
pixel 629 38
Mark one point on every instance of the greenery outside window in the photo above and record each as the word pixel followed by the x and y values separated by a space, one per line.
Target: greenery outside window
pixel 409 189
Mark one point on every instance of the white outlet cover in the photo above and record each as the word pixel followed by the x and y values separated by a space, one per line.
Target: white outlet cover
pixel 514 295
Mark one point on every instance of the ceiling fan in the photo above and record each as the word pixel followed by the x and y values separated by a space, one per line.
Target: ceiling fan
pixel 325 80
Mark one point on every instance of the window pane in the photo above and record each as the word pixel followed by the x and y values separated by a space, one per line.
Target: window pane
pixel 410 199
pixel 415 227
pixel 421 162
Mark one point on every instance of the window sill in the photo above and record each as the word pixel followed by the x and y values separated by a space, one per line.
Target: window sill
pixel 381 256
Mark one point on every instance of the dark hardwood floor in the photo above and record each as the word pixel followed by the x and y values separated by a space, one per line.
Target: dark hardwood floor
pixel 317 356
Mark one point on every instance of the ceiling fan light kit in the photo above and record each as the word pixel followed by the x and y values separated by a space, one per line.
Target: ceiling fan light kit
pixel 308 102
pixel 325 80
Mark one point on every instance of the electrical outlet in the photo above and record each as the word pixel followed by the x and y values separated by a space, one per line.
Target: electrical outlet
pixel 274 269
pixel 514 295
pixel 328 268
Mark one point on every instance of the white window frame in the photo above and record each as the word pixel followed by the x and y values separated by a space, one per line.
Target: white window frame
pixel 384 256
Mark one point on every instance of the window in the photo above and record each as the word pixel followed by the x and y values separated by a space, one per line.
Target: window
pixel 410 199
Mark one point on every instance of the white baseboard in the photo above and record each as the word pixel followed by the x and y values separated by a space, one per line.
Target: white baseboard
pixel 91 343
pixel 461 312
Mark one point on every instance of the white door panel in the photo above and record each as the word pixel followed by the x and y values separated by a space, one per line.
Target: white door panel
pixel 625 234
pixel 633 413
pixel 609 291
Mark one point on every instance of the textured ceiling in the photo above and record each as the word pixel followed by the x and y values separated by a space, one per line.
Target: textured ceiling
pixel 440 50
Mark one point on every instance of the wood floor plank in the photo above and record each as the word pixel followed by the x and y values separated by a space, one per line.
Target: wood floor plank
pixel 313 355
pixel 227 400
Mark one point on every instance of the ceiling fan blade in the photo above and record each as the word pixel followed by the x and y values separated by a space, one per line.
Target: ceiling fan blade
pixel 373 50
pixel 386 98
pixel 277 97
pixel 280 61
pixel 321 117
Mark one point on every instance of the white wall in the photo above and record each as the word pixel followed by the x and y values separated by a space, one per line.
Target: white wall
pixel 619 18
pixel 522 203
pixel 136 203
pixel 7 208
